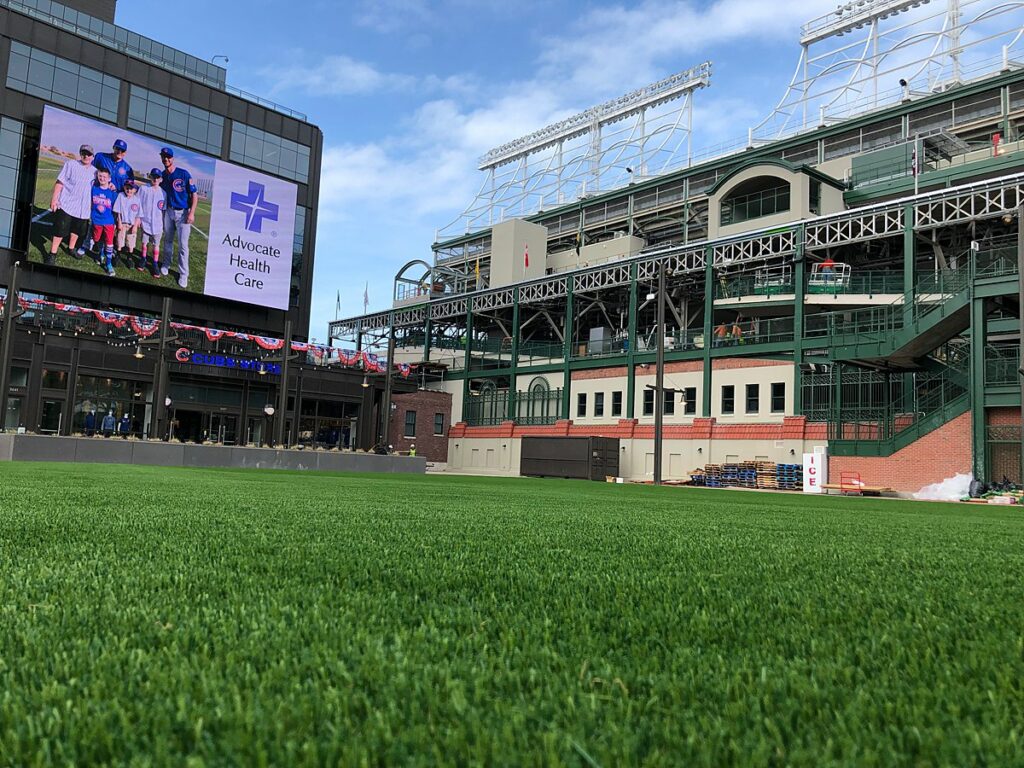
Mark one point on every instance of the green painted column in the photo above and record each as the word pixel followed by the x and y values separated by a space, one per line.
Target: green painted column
pixel 977 381
pixel 908 262
pixel 512 413
pixel 631 352
pixel 467 358
pixel 709 328
pixel 799 289
pixel 426 337
pixel 567 349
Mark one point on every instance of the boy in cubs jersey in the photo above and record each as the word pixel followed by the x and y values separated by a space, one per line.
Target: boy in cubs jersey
pixel 153 201
pixel 104 196
pixel 129 212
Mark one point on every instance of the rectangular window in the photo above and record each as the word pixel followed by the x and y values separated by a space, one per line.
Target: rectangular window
pixel 669 398
pixel 54 379
pixel 410 423
pixel 728 399
pixel 617 403
pixel 175 121
pixel 63 82
pixel 11 140
pixel 598 404
pixel 274 154
pixel 779 397
pixel 753 398
pixel 690 401
pixel 438 423
pixel 581 405
pixel 648 402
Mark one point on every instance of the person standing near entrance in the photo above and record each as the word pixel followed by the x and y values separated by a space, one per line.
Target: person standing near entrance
pixel 180 212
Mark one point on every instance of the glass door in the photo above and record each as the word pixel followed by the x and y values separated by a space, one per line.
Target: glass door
pixel 224 428
pixel 50 417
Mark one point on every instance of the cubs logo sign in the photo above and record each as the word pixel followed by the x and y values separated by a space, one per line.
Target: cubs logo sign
pixel 183 354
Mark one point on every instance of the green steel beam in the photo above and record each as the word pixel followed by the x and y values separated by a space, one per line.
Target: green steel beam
pixel 800 288
pixel 631 350
pixel 567 349
pixel 467 357
pixel 709 319
pixel 978 312
pixel 515 355
pixel 426 339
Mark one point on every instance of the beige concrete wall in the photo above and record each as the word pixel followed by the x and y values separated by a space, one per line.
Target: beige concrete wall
pixel 798 201
pixel 763 376
pixel 598 253
pixel 501 456
pixel 508 241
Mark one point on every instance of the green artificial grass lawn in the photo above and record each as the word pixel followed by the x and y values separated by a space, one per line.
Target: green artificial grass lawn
pixel 204 617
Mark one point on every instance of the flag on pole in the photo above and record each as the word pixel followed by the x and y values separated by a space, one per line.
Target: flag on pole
pixel 914 170
pixel 526 256
pixel 366 297
pixel 476 271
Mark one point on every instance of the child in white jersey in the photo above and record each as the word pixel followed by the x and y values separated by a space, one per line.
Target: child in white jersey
pixel 153 201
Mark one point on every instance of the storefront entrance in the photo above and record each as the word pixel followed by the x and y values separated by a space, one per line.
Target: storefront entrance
pixel 192 426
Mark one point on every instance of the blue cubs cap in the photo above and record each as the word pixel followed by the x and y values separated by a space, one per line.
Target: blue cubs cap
pixel 120 144
pixel 166 152
pixel 155 173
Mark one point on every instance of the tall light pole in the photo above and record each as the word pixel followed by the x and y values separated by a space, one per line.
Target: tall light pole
pixel 11 311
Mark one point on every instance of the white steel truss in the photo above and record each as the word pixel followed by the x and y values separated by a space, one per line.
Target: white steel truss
pixel 641 134
pixel 872 53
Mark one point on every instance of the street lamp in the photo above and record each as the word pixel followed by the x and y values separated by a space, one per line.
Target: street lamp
pixel 268 411
pixel 169 415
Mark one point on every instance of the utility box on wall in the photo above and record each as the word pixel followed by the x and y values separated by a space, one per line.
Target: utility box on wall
pixel 582 458
pixel 511 241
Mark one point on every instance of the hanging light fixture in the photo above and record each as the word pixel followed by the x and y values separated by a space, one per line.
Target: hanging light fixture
pixel 138 352
pixel 366 382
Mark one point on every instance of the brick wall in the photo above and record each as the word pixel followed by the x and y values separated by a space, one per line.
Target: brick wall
pixel 942 453
pixel 426 403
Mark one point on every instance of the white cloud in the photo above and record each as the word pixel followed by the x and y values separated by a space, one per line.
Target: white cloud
pixel 423 174
pixel 335 76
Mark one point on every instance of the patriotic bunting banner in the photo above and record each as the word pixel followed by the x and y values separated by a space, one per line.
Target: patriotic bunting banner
pixel 268 343
pixel 144 326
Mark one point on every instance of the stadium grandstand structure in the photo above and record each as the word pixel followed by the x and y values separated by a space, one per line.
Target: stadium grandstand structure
pixel 853 284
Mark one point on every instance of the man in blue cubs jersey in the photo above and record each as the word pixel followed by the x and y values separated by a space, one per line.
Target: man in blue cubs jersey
pixel 180 212
pixel 113 162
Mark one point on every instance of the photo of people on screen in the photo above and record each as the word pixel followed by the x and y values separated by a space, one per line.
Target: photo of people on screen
pixel 95 211
pixel 123 205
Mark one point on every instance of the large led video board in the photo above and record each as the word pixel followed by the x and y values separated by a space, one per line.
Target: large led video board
pixel 128 207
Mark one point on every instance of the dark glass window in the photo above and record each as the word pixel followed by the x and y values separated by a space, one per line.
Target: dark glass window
pixel 778 397
pixel 410 423
pixel 274 154
pixel 690 401
pixel 598 404
pixel 438 423
pixel 11 136
pixel 581 404
pixel 670 402
pixel 175 121
pixel 617 403
pixel 648 402
pixel 728 399
pixel 54 379
pixel 63 82
pixel 753 398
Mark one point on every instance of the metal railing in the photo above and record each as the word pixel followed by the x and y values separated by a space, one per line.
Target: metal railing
pixel 541 406
pixel 1002 362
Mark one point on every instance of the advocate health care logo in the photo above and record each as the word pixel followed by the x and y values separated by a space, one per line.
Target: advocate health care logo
pixel 255 206
pixel 186 355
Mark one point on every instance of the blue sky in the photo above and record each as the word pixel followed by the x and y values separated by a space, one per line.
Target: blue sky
pixel 410 93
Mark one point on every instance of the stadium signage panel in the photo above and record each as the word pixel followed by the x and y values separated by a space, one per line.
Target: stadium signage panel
pixel 126 206
pixel 186 355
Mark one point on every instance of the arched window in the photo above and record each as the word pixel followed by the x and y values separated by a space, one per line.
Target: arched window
pixel 751 199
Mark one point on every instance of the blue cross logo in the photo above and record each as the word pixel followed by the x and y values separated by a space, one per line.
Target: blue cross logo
pixel 254 206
